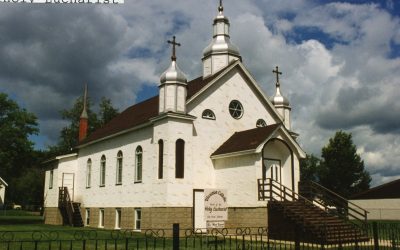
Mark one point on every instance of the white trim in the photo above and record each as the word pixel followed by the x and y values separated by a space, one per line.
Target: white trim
pixel 4 182
pixel 60 157
pixel 259 148
pixel 289 138
pixel 173 115
pixel 136 219
pixel 233 154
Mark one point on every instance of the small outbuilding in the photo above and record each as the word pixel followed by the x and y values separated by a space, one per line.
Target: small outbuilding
pixel 3 186
pixel 382 202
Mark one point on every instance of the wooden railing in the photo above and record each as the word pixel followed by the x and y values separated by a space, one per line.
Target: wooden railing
pixel 65 202
pixel 269 189
pixel 333 201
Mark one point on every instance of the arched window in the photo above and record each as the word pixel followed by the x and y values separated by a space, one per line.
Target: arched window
pixel 179 158
pixel 103 171
pixel 119 168
pixel 138 165
pixel 160 158
pixel 208 114
pixel 88 173
pixel 261 123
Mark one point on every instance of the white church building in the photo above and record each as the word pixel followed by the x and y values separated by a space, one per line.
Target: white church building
pixel 150 165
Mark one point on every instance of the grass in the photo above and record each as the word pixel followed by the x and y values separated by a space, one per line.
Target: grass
pixel 12 217
pixel 23 236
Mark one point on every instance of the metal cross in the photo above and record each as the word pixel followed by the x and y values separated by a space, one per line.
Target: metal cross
pixel 174 43
pixel 276 71
pixel 220 8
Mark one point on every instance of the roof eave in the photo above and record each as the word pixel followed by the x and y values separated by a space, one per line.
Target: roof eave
pixel 173 115
pixel 233 154
pixel 143 125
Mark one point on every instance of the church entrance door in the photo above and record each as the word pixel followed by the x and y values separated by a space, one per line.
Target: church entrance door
pixel 68 181
pixel 272 169
pixel 198 207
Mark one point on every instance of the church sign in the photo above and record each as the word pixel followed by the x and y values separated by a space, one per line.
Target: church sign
pixel 215 205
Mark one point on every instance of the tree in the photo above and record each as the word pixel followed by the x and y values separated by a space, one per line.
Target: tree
pixel 342 169
pixel 107 111
pixel 69 134
pixel 309 168
pixel 16 150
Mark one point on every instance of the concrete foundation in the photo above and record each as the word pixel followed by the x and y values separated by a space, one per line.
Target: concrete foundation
pixel 162 217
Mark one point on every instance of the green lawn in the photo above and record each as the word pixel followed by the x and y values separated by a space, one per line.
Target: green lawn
pixel 46 237
pixel 12 217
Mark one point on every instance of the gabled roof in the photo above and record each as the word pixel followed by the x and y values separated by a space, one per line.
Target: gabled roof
pixel 3 182
pixel 250 80
pixel 246 140
pixel 389 190
pixel 253 140
pixel 139 115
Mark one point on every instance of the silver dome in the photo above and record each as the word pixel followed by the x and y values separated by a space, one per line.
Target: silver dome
pixel 278 99
pixel 221 42
pixel 173 75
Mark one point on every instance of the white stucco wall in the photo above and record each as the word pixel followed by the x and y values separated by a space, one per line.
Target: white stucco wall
pixel 210 134
pixel 68 165
pixel 380 209
pixel 238 175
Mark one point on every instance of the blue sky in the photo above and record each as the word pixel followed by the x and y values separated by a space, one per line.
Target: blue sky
pixel 340 61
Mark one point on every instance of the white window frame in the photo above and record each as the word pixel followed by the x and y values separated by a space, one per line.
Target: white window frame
pixel 208 114
pixel 138 219
pixel 101 217
pixel 118 216
pixel 103 163
pixel 88 173
pixel 119 168
pixel 236 109
pixel 138 164
pixel 87 214
pixel 51 179
pixel 261 123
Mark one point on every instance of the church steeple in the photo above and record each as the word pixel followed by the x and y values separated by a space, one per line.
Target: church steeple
pixel 172 96
pixel 83 120
pixel 280 102
pixel 220 52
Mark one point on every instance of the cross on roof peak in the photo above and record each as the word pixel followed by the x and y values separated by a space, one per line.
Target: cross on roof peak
pixel 276 71
pixel 174 44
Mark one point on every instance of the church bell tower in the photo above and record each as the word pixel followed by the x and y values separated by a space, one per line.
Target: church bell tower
pixel 173 82
pixel 280 102
pixel 220 52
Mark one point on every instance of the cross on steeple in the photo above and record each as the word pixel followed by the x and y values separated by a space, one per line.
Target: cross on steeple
pixel 220 7
pixel 276 71
pixel 174 43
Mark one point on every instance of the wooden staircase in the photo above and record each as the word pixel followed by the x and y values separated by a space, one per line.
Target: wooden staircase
pixel 293 217
pixel 70 211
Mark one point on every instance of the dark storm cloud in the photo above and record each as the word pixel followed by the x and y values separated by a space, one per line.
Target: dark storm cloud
pixel 47 54
pixel 60 48
pixel 357 107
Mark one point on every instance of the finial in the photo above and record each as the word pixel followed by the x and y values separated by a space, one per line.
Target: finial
pixel 276 71
pixel 174 43
pixel 220 7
